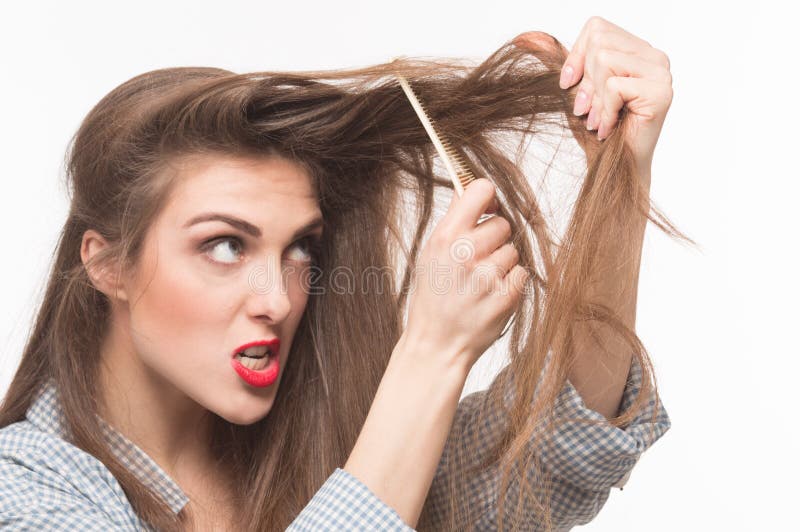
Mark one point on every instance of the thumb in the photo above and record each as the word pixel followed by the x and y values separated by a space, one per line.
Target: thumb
pixel 478 198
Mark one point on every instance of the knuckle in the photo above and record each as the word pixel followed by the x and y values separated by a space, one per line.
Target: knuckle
pixel 497 271
pixel 599 39
pixel 441 238
pixel 516 280
pixel 664 59
pixel 523 277
pixel 595 22
pixel 668 93
pixel 591 41
pixel 603 56
pixel 487 184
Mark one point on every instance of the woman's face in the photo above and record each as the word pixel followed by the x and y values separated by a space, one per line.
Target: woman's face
pixel 226 263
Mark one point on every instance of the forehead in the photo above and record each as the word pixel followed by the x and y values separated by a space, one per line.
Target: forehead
pixel 244 186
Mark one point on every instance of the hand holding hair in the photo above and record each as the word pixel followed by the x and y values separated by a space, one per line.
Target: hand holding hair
pixel 614 68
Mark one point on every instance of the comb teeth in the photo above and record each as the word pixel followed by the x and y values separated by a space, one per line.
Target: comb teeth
pixel 464 174
pixel 455 163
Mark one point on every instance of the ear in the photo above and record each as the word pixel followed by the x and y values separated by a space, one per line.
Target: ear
pixel 103 277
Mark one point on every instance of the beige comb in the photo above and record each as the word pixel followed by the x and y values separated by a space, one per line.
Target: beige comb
pixel 459 172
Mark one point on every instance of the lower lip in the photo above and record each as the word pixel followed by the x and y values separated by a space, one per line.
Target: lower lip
pixel 259 378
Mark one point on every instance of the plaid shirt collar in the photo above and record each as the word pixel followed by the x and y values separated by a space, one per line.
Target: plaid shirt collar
pixel 46 414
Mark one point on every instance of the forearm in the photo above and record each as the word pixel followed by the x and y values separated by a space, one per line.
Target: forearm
pixel 401 443
pixel 598 376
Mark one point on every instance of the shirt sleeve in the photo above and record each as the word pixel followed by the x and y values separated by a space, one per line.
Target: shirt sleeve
pixel 584 461
pixel 346 503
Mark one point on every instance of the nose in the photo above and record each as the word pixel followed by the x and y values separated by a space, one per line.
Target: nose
pixel 268 297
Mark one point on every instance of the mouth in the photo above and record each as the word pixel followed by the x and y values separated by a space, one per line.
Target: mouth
pixel 257 363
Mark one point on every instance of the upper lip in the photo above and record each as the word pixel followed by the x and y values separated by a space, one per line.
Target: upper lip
pixel 272 343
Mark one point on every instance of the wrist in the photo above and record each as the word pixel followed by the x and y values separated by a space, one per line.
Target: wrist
pixel 447 363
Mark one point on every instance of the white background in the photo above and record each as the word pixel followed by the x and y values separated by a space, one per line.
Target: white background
pixel 720 323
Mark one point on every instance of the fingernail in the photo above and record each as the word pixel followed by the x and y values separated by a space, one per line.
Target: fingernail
pixel 566 77
pixel 581 102
pixel 602 131
pixel 591 119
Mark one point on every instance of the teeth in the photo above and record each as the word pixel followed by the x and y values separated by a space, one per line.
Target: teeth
pixel 256 351
pixel 253 363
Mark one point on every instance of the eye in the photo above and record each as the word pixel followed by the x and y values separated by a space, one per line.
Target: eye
pixel 310 249
pixel 225 250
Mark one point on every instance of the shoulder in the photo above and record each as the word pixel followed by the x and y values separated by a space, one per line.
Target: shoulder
pixel 48 482
pixel 27 452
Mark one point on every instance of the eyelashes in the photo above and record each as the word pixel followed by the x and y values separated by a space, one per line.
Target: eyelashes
pixel 229 249
pixel 313 245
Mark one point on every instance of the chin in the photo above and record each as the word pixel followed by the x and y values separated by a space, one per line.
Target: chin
pixel 246 414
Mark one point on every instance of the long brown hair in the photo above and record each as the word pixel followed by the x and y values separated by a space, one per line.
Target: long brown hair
pixel 360 140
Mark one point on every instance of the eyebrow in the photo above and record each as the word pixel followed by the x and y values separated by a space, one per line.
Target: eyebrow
pixel 247 227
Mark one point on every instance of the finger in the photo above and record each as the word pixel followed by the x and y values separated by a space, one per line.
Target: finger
pixel 639 94
pixel 592 36
pixel 622 41
pixel 572 69
pixel 603 64
pixel 606 64
pixel 465 210
pixel 584 96
pixel 500 261
pixel 493 206
pixel 513 284
pixel 594 113
pixel 490 235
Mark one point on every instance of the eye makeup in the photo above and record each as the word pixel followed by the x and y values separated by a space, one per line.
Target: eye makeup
pixel 310 244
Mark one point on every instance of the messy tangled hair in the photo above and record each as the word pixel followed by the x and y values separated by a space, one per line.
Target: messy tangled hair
pixel 367 153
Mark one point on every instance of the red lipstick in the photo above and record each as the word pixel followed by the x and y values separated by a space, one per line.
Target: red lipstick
pixel 263 356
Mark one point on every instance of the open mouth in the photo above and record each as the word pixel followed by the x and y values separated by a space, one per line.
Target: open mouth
pixel 257 363
pixel 255 358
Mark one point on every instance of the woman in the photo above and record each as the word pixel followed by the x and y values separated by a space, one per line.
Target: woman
pixel 216 349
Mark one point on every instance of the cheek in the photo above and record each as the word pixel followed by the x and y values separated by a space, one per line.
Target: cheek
pixel 180 315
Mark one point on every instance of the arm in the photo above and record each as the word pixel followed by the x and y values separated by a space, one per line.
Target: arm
pixel 645 90
pixel 585 462
pixel 386 479
pixel 405 431
pixel 600 371
pixel 400 445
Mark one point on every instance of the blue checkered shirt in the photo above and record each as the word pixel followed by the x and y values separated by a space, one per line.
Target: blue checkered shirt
pixel 47 483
